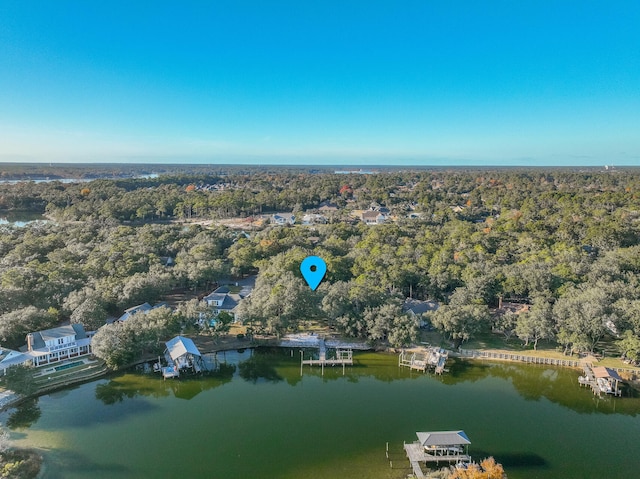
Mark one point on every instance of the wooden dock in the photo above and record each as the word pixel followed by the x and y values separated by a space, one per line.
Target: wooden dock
pixel 604 381
pixel 417 454
pixel 431 358
pixel 343 357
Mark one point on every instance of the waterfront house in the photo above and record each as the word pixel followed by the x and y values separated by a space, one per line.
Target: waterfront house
pixel 9 357
pixel 57 344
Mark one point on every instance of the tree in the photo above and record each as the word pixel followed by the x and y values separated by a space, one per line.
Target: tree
pixel 222 324
pixel 19 378
pixel 487 469
pixel 461 322
pixel 91 314
pixel 278 304
pixel 535 324
pixel 5 441
pixel 113 346
pixel 15 325
pixel 120 344
pixel 581 314
pixel 629 345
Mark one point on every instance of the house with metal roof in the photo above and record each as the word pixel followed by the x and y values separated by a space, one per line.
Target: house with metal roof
pixel 182 353
pixel 141 308
pixel 57 344
pixel 9 357
pixel 443 439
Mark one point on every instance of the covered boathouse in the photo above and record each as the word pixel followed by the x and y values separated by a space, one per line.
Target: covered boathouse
pixel 437 446
pixel 182 354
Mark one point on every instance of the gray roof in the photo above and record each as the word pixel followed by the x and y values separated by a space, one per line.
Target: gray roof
pixel 443 438
pixel 141 308
pixel 419 307
pixel 371 214
pixel 179 346
pixel 215 296
pixel 10 358
pixel 40 337
pixel 228 301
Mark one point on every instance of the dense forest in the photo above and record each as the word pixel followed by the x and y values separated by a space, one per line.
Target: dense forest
pixel 564 243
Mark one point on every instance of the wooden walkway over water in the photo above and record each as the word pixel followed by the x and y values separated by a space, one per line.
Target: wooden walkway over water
pixel 471 353
pixel 417 454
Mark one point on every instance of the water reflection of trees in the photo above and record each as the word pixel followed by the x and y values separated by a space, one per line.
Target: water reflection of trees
pixel 117 390
pixel 534 382
pixel 25 415
pixel 260 365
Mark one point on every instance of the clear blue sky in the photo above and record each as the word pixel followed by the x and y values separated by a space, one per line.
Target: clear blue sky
pixel 417 82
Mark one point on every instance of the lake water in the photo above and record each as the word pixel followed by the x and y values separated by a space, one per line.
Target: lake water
pixel 259 419
pixel 77 180
pixel 19 218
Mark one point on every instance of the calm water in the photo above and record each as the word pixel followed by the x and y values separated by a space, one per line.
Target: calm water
pixel 20 218
pixel 259 419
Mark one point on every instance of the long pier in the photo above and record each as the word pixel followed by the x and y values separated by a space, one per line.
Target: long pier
pixel 471 353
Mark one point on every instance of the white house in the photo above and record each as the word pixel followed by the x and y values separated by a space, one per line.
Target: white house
pixel 57 344
pixel 9 357
pixel 371 217
pixel 313 218
pixel 222 299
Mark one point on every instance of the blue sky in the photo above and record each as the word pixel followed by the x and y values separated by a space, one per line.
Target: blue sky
pixel 362 82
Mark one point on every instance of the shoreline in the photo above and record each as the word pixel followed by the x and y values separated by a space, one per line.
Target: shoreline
pixel 209 345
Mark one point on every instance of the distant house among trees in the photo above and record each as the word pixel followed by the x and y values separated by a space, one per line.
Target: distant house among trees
pixel 141 308
pixel 419 309
pixel 311 219
pixel 283 219
pixel 371 217
pixel 326 206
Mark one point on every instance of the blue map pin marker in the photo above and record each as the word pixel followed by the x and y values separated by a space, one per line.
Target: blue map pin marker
pixel 313 269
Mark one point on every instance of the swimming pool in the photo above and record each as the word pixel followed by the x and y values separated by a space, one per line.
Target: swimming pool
pixel 67 366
